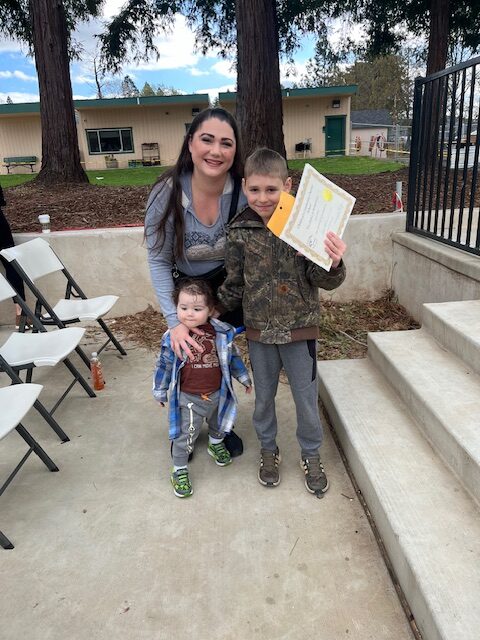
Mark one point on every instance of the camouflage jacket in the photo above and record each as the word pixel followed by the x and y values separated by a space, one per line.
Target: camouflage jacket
pixel 277 287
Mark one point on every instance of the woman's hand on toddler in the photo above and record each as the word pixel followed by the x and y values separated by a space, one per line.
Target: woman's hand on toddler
pixel 181 340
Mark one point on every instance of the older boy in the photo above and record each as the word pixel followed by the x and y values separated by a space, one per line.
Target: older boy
pixel 278 288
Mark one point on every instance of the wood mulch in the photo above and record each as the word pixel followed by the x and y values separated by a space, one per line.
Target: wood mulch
pixel 96 207
pixel 343 329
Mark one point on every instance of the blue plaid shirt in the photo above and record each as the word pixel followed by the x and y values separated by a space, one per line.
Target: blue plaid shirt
pixel 167 374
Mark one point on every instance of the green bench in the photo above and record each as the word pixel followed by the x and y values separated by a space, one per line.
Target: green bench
pixel 20 161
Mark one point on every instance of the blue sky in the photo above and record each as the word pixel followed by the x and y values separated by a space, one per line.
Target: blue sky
pixel 179 65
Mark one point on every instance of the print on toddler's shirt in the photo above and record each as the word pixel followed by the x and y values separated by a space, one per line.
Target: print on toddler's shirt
pixel 208 358
pixel 203 374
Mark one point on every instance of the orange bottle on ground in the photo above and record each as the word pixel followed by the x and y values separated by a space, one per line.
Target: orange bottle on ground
pixel 97 372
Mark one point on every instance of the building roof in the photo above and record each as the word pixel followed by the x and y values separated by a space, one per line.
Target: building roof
pixel 19 107
pixel 364 118
pixel 201 99
pixel 310 92
pixel 195 98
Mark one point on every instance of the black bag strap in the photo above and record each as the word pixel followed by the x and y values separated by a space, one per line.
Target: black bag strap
pixel 234 201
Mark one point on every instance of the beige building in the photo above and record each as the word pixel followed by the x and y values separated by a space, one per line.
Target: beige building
pixel 125 131
pixel 316 121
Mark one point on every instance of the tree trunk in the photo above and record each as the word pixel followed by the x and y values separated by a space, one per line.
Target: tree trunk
pixel 259 98
pixel 438 38
pixel 60 153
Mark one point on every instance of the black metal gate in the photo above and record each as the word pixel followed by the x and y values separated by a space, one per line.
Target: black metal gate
pixel 443 190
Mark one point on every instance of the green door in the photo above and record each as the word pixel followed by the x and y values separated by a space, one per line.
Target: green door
pixel 335 135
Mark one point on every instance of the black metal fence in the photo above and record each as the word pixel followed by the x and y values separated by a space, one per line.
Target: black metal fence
pixel 443 189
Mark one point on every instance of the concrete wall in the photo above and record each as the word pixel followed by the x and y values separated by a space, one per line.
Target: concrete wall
pixel 425 270
pixel 114 261
pixel 103 261
pixel 380 256
pixel 369 256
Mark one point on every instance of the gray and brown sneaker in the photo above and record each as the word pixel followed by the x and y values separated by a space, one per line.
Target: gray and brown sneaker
pixel 315 479
pixel 268 473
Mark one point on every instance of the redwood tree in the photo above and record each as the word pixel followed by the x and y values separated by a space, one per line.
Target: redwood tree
pixel 259 99
pixel 45 26
pixel 438 35
pixel 60 153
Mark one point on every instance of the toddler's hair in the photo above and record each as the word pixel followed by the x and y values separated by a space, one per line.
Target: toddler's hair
pixel 266 162
pixel 194 287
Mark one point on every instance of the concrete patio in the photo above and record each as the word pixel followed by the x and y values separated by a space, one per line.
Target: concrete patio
pixel 103 549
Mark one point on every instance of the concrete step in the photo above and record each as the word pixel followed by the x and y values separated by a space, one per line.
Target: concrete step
pixel 429 524
pixel 441 392
pixel 456 325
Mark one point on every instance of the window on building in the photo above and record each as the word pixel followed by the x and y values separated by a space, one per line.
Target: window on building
pixel 110 141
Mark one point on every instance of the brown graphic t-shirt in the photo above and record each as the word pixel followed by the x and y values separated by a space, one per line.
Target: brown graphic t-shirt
pixel 202 374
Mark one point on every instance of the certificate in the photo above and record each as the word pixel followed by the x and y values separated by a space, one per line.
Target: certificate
pixel 303 222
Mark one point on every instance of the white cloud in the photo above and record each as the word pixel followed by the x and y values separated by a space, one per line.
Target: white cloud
pixel 82 79
pixel 12 45
pixel 213 93
pixel 175 48
pixel 18 96
pixel 112 7
pixel 20 75
pixel 197 72
pixel 78 96
pixel 225 68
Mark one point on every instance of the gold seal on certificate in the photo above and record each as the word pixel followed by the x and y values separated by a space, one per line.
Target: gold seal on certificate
pixel 303 222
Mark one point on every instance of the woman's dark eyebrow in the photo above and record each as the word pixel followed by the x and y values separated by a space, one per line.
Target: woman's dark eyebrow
pixel 211 135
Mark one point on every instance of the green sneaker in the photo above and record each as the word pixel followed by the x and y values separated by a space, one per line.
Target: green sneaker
pixel 220 454
pixel 182 487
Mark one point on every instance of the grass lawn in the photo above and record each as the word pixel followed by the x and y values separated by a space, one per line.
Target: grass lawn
pixel 126 177
pixel 13 179
pixel 347 165
pixel 109 177
pixel 342 165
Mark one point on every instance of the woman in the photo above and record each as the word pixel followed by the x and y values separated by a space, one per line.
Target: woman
pixel 186 221
pixel 188 211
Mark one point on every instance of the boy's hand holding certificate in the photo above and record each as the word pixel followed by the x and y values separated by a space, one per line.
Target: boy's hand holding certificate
pixel 303 222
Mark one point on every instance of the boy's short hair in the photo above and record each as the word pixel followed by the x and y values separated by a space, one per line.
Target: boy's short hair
pixel 194 287
pixel 266 162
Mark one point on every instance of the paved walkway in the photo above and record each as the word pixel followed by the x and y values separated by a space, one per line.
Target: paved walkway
pixel 104 550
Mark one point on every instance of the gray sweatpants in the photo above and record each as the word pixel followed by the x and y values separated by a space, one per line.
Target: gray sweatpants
pixel 193 411
pixel 299 359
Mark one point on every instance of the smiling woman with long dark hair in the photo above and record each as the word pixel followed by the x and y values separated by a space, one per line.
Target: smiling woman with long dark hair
pixel 188 211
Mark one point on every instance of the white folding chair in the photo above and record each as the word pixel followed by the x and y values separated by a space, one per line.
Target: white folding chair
pixel 16 401
pixel 25 351
pixel 34 259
